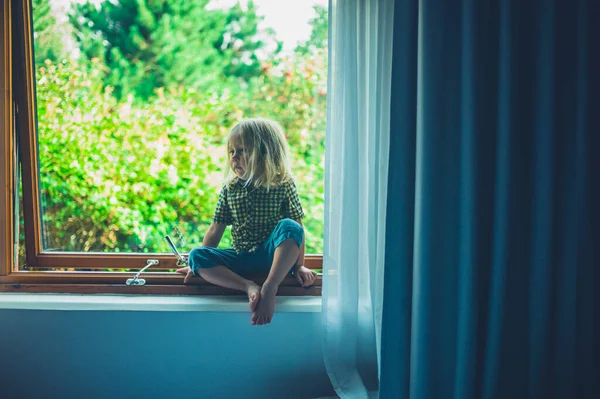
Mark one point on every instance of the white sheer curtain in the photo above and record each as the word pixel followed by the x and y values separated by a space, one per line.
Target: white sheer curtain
pixel 358 131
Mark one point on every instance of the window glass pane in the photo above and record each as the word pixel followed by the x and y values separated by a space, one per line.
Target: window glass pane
pixel 19 260
pixel 17 190
pixel 134 99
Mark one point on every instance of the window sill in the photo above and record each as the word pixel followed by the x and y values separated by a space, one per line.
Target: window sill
pixel 114 283
pixel 154 303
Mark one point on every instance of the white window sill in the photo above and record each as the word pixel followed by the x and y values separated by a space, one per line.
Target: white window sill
pixel 171 303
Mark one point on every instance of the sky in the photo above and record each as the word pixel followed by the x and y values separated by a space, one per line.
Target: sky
pixel 289 18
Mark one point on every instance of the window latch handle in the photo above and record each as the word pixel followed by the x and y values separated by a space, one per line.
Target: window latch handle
pixel 140 281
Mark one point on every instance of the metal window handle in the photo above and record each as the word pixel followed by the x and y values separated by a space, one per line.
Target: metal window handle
pixel 140 281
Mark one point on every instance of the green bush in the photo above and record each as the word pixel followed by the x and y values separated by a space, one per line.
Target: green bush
pixel 117 175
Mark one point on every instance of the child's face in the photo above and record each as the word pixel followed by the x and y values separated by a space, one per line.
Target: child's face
pixel 237 154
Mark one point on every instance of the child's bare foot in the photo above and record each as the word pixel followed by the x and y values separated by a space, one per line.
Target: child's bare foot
pixel 266 307
pixel 253 291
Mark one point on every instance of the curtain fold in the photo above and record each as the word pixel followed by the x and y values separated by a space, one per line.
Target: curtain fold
pixel 492 206
pixel 357 150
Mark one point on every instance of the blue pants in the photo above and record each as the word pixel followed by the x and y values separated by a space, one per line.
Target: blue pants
pixel 245 263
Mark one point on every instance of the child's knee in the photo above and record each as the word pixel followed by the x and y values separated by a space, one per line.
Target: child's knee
pixel 199 257
pixel 290 224
pixel 198 253
pixel 289 228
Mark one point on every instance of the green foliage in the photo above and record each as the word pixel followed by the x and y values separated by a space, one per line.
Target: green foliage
pixel 117 176
pixel 319 32
pixel 117 173
pixel 48 39
pixel 149 44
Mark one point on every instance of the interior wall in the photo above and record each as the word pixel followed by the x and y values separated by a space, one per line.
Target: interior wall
pixel 145 354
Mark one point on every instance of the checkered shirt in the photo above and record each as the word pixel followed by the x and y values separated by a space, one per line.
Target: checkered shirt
pixel 254 212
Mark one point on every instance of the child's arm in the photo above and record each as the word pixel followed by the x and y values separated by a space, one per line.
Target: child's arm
pixel 213 236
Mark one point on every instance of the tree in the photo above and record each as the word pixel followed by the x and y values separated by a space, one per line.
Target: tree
pixel 148 44
pixel 48 41
pixel 319 32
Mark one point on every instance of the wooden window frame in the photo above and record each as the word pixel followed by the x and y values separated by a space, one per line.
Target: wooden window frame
pixel 18 87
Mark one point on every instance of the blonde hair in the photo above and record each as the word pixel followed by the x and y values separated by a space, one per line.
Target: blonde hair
pixel 265 150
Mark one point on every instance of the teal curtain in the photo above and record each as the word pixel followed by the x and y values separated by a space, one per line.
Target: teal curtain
pixel 492 257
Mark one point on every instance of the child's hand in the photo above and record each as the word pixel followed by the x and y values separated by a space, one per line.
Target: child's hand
pixel 305 276
pixel 188 273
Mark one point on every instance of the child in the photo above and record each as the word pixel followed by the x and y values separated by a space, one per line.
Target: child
pixel 260 201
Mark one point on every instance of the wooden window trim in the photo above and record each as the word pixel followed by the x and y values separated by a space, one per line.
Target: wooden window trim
pixel 18 85
pixel 6 142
